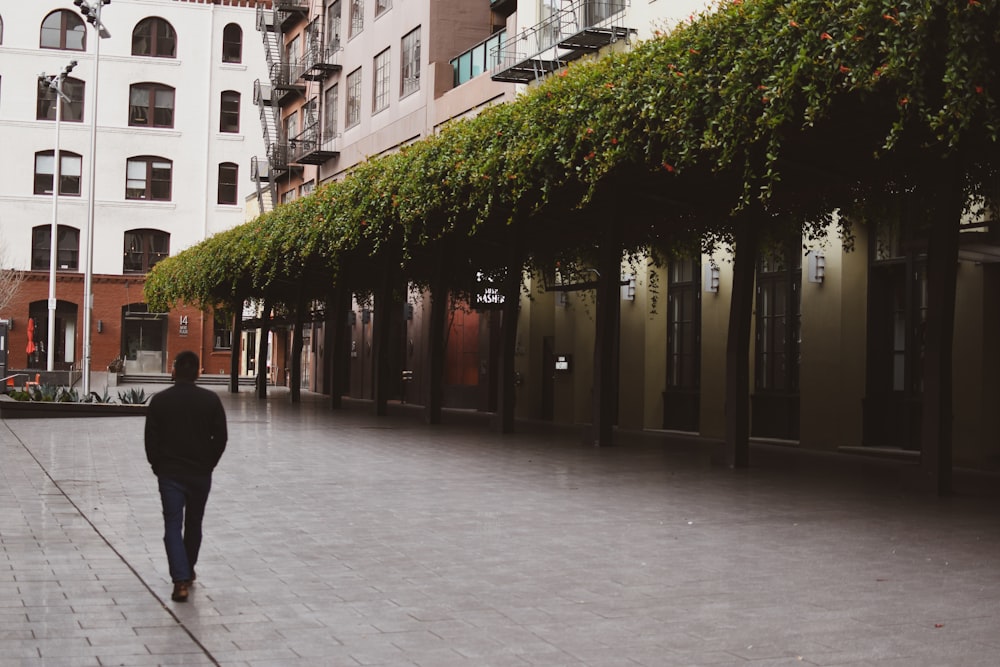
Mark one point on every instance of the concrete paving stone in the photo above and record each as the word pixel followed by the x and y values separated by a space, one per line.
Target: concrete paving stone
pixel 345 539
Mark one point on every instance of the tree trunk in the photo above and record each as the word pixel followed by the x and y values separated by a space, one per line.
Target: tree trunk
pixel 297 343
pixel 437 348
pixel 265 334
pixel 604 392
pixel 511 306
pixel 338 349
pixel 737 454
pixel 381 330
pixel 943 204
pixel 234 350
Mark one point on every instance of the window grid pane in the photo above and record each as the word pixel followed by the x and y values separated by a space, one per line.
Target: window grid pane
pixel 380 92
pixel 353 111
pixel 409 66
pixel 357 17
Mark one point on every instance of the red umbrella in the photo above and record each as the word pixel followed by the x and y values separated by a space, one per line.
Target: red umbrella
pixel 31 335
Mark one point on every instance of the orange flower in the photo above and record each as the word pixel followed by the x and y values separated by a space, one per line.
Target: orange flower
pixel 844 69
pixel 668 167
pixel 825 35
pixel 614 141
pixel 979 90
pixel 793 24
pixel 904 101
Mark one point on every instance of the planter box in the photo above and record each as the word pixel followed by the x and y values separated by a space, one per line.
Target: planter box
pixel 11 409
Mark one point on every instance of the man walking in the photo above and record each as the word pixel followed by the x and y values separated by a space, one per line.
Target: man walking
pixel 185 437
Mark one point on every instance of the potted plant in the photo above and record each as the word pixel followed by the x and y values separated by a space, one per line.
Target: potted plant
pixel 115 371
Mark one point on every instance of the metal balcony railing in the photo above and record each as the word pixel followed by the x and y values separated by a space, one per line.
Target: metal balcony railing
pixel 312 147
pixel 581 27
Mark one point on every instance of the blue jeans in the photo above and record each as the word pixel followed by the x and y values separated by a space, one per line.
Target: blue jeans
pixel 183 498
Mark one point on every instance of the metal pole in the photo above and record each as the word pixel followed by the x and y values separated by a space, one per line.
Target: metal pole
pixel 50 348
pixel 93 15
pixel 55 83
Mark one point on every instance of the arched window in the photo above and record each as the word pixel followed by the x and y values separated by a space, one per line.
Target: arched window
pixel 154 37
pixel 148 177
pixel 228 179
pixel 151 105
pixel 72 111
pixel 70 168
pixel 232 43
pixel 63 29
pixel 67 248
pixel 143 249
pixel 229 112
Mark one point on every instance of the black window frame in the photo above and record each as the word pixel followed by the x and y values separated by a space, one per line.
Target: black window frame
pixel 160 38
pixel 67 247
pixel 64 179
pixel 232 46
pixel 152 111
pixel 69 22
pixel 143 248
pixel 229 98
pixel 228 190
pixel 72 111
pixel 150 180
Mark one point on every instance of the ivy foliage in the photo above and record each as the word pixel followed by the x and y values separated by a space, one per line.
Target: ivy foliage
pixel 786 109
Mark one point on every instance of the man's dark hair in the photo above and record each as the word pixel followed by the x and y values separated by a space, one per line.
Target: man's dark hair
pixel 186 366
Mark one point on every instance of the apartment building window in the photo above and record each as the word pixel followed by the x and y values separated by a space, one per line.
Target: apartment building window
pixel 333 26
pixel 409 63
pixel 357 17
pixel 154 37
pixel 291 126
pixel 222 330
pixel 151 105
pixel 143 249
pixel 480 58
pixel 382 6
pixel 352 112
pixel 149 178
pixel 67 248
pixel 65 30
pixel 380 82
pixel 72 111
pixel 69 172
pixel 232 43
pixel 229 173
pixel 229 112
pixel 330 101
pixel 307 188
pixel 288 196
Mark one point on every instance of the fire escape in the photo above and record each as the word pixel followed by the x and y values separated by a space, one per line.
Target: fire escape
pixel 289 77
pixel 314 145
pixel 578 28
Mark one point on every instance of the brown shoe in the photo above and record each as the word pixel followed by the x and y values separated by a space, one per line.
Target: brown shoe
pixel 180 593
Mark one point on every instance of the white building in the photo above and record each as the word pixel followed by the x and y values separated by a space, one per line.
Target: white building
pixel 176 128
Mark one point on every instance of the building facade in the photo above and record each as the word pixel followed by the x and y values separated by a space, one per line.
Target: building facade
pixel 176 129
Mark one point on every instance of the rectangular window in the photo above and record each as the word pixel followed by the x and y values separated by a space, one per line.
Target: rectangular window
pixel 352 114
pixel 229 113
pixel 357 17
pixel 228 179
pixel 330 102
pixel 409 63
pixel 72 111
pixel 333 26
pixel 382 6
pixel 70 169
pixel 148 178
pixel 380 82
pixel 222 330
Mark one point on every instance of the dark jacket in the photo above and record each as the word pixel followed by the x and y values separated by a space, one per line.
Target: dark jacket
pixel 185 430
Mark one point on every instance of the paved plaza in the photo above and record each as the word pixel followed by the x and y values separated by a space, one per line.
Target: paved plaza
pixel 342 539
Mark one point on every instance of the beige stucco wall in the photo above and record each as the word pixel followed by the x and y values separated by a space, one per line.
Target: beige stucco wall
pixel 714 333
pixel 832 349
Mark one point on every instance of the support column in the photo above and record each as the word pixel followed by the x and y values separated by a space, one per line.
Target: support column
pixel 604 393
pixel 737 453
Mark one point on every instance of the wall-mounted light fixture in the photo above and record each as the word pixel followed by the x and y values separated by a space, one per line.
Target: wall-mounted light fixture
pixel 711 278
pixel 817 267
pixel 100 326
pixel 628 288
pixel 562 299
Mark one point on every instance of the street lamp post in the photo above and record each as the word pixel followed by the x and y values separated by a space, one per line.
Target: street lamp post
pixel 55 82
pixel 91 10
